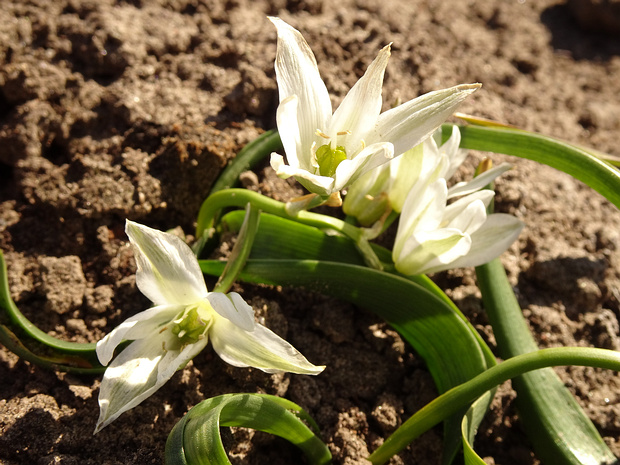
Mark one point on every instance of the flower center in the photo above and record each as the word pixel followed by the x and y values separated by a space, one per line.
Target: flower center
pixel 191 327
pixel 328 159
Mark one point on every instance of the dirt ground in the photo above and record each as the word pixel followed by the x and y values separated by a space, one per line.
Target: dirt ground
pixel 129 109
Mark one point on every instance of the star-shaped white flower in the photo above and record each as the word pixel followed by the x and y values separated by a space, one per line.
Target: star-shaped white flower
pixel 434 236
pixel 185 317
pixel 326 152
pixel 388 186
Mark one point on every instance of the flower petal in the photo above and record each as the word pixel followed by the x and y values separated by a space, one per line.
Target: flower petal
pixel 426 251
pixel 464 188
pixel 232 307
pixel 168 272
pixel 470 218
pixel 366 198
pixel 286 119
pixel 410 123
pixel 140 370
pixel 371 157
pixel 261 348
pixel 456 208
pixel 492 239
pixel 422 211
pixel 451 149
pixel 138 326
pixel 321 185
pixel 297 74
pixel 360 108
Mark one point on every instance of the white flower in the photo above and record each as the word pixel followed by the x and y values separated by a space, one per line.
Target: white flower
pixel 387 186
pixel 433 236
pixel 328 152
pixel 185 317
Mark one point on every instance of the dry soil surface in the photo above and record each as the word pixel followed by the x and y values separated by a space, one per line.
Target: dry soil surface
pixel 129 109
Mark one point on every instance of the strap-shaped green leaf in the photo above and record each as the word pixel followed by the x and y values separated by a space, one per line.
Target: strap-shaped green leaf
pixel 451 401
pixel 22 337
pixel 306 242
pixel 249 155
pixel 469 427
pixel 196 440
pixel 579 163
pixel 441 337
pixel 558 427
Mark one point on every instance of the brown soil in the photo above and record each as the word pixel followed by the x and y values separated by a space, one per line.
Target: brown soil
pixel 112 110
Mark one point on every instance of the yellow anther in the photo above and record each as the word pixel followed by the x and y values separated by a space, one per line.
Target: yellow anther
pixel 321 134
pixel 343 133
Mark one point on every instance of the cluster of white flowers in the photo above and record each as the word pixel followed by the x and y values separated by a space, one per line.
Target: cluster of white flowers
pixel 433 235
pixel 326 153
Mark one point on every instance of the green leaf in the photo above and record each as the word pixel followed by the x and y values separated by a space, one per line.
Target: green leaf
pixel 306 242
pixel 196 438
pixel 558 427
pixel 578 162
pixel 438 334
pixel 469 427
pixel 247 158
pixel 453 400
pixel 23 338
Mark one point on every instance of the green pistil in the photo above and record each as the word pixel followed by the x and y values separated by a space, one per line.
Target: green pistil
pixel 329 159
pixel 190 329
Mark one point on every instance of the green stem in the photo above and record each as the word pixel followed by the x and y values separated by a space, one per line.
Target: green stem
pixel 241 250
pixel 241 197
pixel 456 398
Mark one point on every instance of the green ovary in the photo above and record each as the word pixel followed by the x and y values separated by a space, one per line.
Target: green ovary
pixel 329 159
pixel 191 327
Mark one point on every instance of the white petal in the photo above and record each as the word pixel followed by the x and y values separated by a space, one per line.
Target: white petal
pixel 412 122
pixel 140 370
pixel 464 188
pixel 349 171
pixel 138 326
pixel 426 251
pixel 168 271
pixel 422 211
pixel 406 170
pixel 491 240
pixel 286 119
pixel 451 149
pixel 455 208
pixel 261 348
pixel 234 308
pixel 470 218
pixel 321 185
pixel 298 74
pixel 360 109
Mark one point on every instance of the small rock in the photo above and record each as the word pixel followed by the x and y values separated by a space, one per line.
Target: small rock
pixel 62 283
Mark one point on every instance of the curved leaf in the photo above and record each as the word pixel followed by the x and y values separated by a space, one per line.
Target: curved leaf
pixel 579 163
pixel 22 337
pixel 306 242
pixel 196 438
pixel 557 426
pixel 452 401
